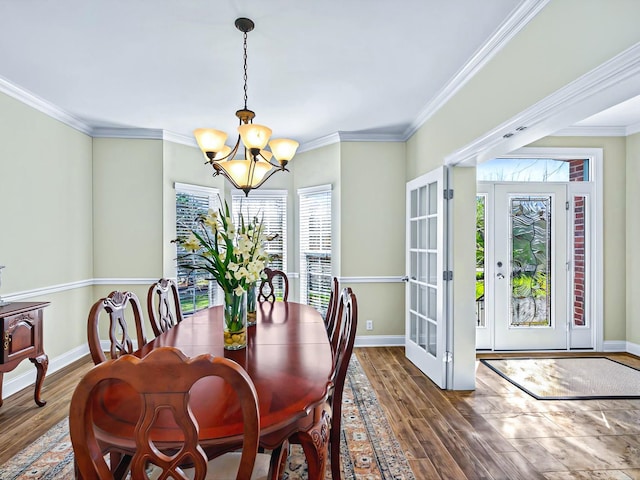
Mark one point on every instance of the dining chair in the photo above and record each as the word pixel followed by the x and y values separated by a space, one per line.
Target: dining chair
pixel 267 290
pixel 346 326
pixel 120 343
pixel 332 308
pixel 163 305
pixel 148 378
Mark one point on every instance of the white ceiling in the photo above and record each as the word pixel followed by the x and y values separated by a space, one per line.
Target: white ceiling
pixel 315 68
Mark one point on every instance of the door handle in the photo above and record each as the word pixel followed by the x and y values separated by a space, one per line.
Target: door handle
pixel 500 276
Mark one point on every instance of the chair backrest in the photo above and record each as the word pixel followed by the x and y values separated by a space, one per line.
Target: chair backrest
pixel 332 308
pixel 163 305
pixel 115 305
pixel 148 377
pixel 346 325
pixel 267 290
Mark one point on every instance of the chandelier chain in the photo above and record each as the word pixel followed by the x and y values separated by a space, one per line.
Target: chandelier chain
pixel 245 70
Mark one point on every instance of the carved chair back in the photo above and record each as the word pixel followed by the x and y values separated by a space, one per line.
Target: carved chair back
pixel 345 333
pixel 115 305
pixel 148 377
pixel 267 290
pixel 163 305
pixel 332 309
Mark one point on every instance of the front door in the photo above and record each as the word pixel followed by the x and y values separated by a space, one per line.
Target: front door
pixel 425 314
pixel 530 264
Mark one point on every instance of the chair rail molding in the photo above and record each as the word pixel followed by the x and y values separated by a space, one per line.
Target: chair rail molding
pixel 373 279
pixel 63 287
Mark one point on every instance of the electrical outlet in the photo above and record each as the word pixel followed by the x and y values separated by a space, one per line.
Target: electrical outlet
pixel 369 324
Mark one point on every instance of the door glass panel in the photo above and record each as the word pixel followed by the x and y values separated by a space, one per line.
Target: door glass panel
pixel 414 297
pixel 422 299
pixel 433 264
pixel 579 260
pixel 422 233
pixel 432 347
pixel 433 198
pixel 414 234
pixel 414 327
pixel 432 307
pixel 422 267
pixel 414 203
pixel 481 201
pixel 422 333
pixel 422 201
pixel 530 261
pixel 433 233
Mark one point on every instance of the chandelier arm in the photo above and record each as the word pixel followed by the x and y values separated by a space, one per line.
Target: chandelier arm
pixel 270 162
pixel 231 154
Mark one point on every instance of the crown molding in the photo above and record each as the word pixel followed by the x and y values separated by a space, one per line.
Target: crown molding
pixel 188 140
pixel 134 133
pixel 609 83
pixel 370 137
pixel 40 104
pixel 320 142
pixel 520 17
pixel 633 129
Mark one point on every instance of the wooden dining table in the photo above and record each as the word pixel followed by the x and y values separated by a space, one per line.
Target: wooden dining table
pixel 289 359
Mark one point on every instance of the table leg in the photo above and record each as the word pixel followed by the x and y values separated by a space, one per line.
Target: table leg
pixel 1 378
pixel 314 443
pixel 42 363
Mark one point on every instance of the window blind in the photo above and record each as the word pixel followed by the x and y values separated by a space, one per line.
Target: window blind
pixel 315 246
pixel 195 289
pixel 270 206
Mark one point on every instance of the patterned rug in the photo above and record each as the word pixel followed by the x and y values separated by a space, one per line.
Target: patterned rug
pixel 574 378
pixel 369 450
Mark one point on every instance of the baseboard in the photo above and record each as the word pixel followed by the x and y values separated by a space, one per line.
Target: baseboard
pixel 615 346
pixel 633 348
pixel 29 378
pixel 379 341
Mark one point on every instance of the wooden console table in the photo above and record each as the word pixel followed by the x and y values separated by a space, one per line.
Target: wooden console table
pixel 21 324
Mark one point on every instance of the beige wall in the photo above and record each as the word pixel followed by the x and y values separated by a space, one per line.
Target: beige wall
pixel 372 235
pixel 632 260
pixel 614 158
pixel 127 208
pixel 46 212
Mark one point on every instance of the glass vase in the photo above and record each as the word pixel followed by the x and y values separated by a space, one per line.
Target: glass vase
pixel 252 304
pixel 235 320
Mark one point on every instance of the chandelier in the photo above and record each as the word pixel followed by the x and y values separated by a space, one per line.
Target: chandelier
pixel 257 165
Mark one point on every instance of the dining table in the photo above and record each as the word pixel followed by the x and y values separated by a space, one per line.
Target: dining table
pixel 289 359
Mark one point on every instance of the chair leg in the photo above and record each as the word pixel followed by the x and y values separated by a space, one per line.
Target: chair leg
pixel 334 450
pixel 277 464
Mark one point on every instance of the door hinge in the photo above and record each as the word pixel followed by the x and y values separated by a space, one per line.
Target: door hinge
pixel 447 193
pixel 447 275
pixel 566 206
pixel 448 357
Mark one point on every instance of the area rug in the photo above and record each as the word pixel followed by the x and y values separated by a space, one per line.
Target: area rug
pixel 369 450
pixel 575 378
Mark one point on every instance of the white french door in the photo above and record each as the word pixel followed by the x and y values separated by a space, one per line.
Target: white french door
pixel 425 341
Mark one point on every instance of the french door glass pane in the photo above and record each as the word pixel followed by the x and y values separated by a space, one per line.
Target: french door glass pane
pixel 530 261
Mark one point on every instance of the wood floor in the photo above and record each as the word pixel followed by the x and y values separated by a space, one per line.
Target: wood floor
pixel 494 432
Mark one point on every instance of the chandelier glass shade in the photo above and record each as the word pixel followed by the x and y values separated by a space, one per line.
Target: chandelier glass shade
pixel 257 165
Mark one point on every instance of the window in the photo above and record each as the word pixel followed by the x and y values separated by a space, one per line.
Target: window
pixel 195 289
pixel 271 207
pixel 315 246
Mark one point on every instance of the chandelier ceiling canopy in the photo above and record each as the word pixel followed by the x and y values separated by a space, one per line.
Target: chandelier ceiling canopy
pixel 257 165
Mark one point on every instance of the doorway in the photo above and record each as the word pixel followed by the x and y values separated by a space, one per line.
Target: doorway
pixel 536 256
